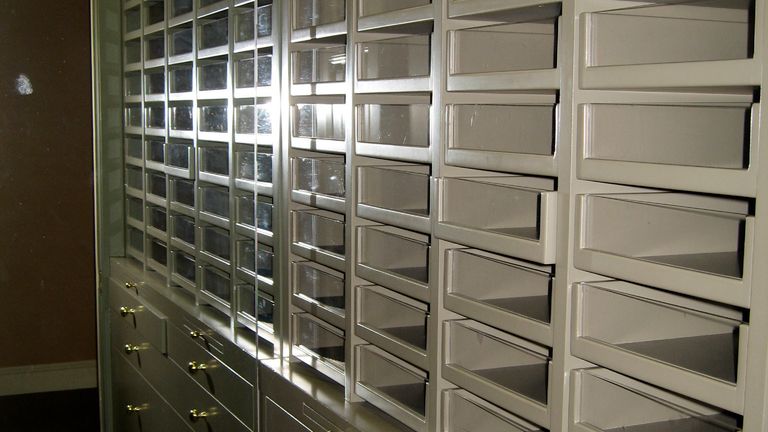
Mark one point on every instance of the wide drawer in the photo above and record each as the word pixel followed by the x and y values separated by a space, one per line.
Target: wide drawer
pixel 138 314
pixel 218 379
pixel 137 406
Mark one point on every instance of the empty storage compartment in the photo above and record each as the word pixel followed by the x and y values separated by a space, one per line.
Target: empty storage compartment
pixel 265 209
pixel 154 49
pixel 495 57
pixel 132 19
pixel 213 120
pixel 464 412
pixel 246 305
pixel 132 53
pixel 246 257
pixel 180 7
pixel 607 401
pixel 515 137
pixel 154 82
pixel 394 322
pixel 392 385
pixel 319 290
pixel 509 215
pixel 512 295
pixel 264 21
pixel 156 187
pixel 319 181
pixel 183 229
pixel 265 260
pixel 134 181
pixel 157 220
pixel 134 211
pixel 506 370
pixel 213 34
pixel 375 7
pixel 180 158
pixel 216 286
pixel 133 118
pixel 394 258
pixel 312 13
pixel 215 243
pixel 698 245
pixel 321 65
pixel 214 201
pixel 134 243
pixel 705 147
pixel 183 194
pixel 184 269
pixel 319 235
pixel 132 84
pixel 395 194
pixel 318 122
pixel 394 128
pixel 213 162
pixel 690 346
pixel 320 345
pixel 158 255
pixel 180 78
pixel 213 74
pixel 405 57
pixel 245 27
pixel 154 118
pixel 134 151
pixel 181 119
pixel 180 41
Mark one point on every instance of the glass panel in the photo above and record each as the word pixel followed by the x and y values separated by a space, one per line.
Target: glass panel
pixel 155 12
pixel 158 218
pixel 178 155
pixel 214 33
pixel 184 229
pixel 134 178
pixel 265 70
pixel 213 76
pixel 156 184
pixel 159 252
pixel 133 115
pixel 405 125
pixel 244 25
pixel 133 84
pixel 181 117
pixel 181 41
pixel 264 167
pixel 155 47
pixel 245 119
pixel 213 118
pixel 264 16
pixel 216 241
pixel 215 200
pixel 181 79
pixel 217 283
pixel 155 82
pixel 320 65
pixel 156 151
pixel 214 160
pixel 320 121
pixel 156 116
pixel 133 147
pixel 184 266
pixel 181 7
pixel 403 57
pixel 183 191
pixel 244 73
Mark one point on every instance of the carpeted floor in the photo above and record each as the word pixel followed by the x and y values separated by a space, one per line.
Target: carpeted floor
pixel 64 411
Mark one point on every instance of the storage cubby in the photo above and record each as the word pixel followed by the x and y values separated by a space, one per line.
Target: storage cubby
pixel 154 118
pixel 213 74
pixel 504 214
pixel 156 186
pixel 134 151
pixel 265 259
pixel 181 119
pixel 512 295
pixel 695 43
pixel 395 130
pixel 465 412
pixel 180 42
pixel 134 181
pixel 319 345
pixel 213 119
pixel 182 193
pixel 134 239
pixel 132 53
pixel 264 68
pixel 216 287
pixel 183 229
pixel 180 158
pixel 318 69
pixel 697 347
pixel 264 110
pixel 132 84
pixel 132 19
pixel 265 209
pixel 265 313
pixel 183 268
pixel 213 35
pixel 314 123
pixel 246 216
pixel 395 194
pixel 264 165
pixel 214 201
pixel 214 242
pixel 154 82
pixel 157 258
pixel 392 385
pixel 180 85
pixel 157 220
pixel 134 211
pixel 244 27
pixel 705 147
pixel 375 7
pixel 514 56
pixel 213 163
pixel 319 181
pixel 394 258
pixel 246 305
pixel 133 118
pixel 154 49
pixel 394 322
pixel 405 59
pixel 319 235
pixel 264 21
pixel 692 244
pixel 246 258
pixel 607 401
pixel 155 154
pixel 508 371
pixel 513 137
pixel 155 12
pixel 180 7
pixel 319 290
pixel 245 170
pixel 314 13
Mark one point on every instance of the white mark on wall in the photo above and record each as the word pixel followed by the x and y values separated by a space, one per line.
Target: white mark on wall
pixel 24 85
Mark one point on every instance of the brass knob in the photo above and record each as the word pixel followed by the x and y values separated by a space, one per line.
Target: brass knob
pixel 196 415
pixel 135 408
pixel 129 348
pixel 125 311
pixel 194 366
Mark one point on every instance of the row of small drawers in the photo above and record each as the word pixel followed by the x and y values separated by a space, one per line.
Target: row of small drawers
pixel 171 360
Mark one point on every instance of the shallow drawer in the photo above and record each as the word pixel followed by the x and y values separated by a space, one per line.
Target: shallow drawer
pixel 401 57
pixel 319 235
pixel 319 65
pixel 395 194
pixel 216 285
pixel 692 244
pixel 465 412
pixel 512 295
pixel 320 345
pixel 319 182
pixel 137 406
pixel 136 313
pixel 319 290
pixel 394 322
pixel 607 401
pixel 692 347
pixel 395 258
pixel 219 380
pixel 309 13
pixel 512 215
pixel 506 370
pixel 318 121
pixel 375 7
pixel 396 124
pixel 136 349
pixel 392 385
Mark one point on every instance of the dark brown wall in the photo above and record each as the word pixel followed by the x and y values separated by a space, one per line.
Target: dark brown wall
pixel 47 295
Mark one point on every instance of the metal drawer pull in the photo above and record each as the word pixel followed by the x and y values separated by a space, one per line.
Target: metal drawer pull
pixel 125 311
pixel 132 285
pixel 196 415
pixel 136 408
pixel 194 366
pixel 129 348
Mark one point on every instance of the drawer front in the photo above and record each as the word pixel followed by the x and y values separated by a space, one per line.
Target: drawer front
pixel 233 356
pixel 218 379
pixel 136 349
pixel 139 314
pixel 137 406
pixel 278 419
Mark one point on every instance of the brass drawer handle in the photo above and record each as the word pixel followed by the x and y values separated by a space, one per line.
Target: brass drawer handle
pixel 136 408
pixel 132 285
pixel 194 366
pixel 196 415
pixel 130 348
pixel 125 311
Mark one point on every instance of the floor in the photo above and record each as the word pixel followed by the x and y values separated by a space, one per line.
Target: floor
pixel 75 410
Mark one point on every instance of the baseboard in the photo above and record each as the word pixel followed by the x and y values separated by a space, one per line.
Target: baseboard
pixel 48 377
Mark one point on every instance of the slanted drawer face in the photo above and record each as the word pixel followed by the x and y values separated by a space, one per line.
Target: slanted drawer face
pixel 144 319
pixel 465 412
pixel 136 348
pixel 278 419
pixel 218 379
pixel 137 407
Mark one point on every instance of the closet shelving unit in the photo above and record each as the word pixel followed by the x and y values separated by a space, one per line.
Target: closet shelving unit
pixel 465 215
